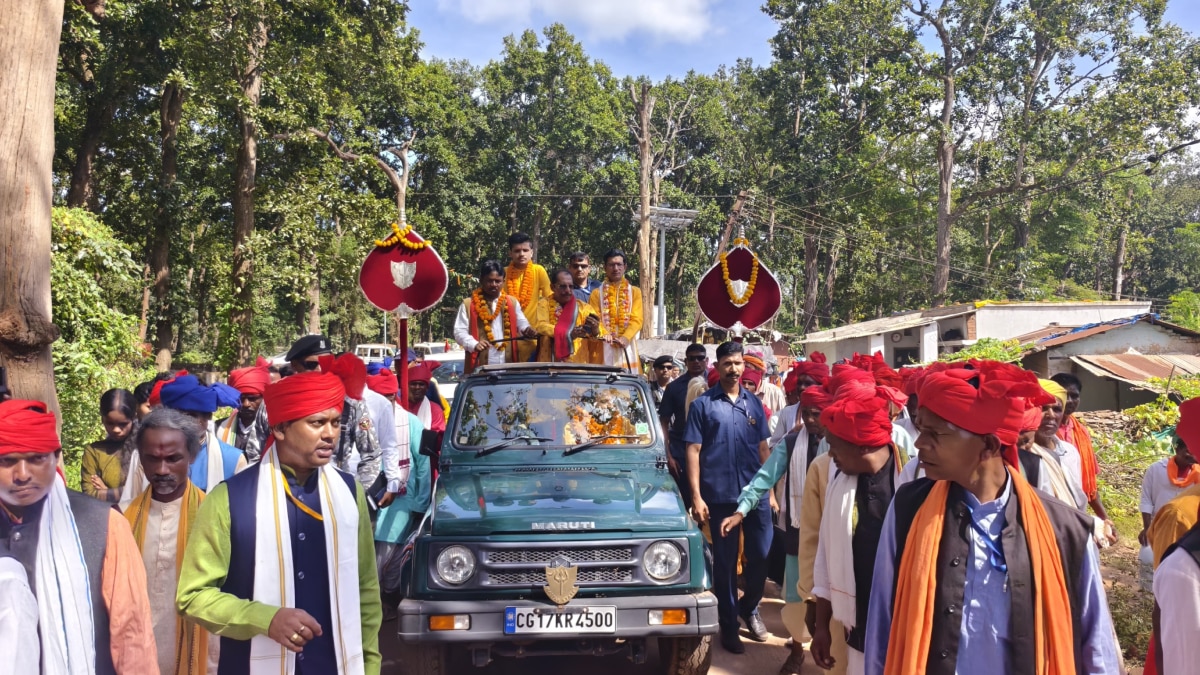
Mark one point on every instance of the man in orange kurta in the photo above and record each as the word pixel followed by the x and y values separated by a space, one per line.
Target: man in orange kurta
pixel 526 281
pixel 567 328
pixel 619 304
pixel 84 548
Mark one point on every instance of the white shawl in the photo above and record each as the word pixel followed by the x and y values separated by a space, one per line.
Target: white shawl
pixel 63 590
pixel 404 442
pixel 425 414
pixel 835 548
pixel 274 578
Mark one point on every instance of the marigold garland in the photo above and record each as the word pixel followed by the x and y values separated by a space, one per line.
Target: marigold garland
pixel 523 290
pixel 400 236
pixel 734 297
pixel 486 317
pixel 617 303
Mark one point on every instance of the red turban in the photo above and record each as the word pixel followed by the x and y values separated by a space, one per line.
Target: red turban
pixel 419 373
pixel 713 377
pixel 752 376
pixel 1032 419
pixel 815 367
pixel 301 395
pixel 861 421
pixel 815 397
pixel 1188 428
pixel 910 379
pixel 251 381
pixel 846 375
pixel 26 426
pixel 384 384
pixel 349 369
pixel 988 399
pixel 893 395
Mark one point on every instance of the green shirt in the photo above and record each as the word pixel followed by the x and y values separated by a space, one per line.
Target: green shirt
pixel 206 565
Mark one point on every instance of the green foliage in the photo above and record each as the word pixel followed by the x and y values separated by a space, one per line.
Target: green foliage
pixel 992 349
pixel 98 349
pixel 1184 309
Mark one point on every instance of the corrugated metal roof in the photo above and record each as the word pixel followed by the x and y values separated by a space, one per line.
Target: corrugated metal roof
pixel 1043 333
pixel 1063 335
pixel 889 324
pixel 1137 369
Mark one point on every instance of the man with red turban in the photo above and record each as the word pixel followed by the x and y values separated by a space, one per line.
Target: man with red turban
pixel 858 428
pixel 801 376
pixel 78 554
pixel 431 416
pixel 248 429
pixel 788 466
pixel 306 601
pixel 978 571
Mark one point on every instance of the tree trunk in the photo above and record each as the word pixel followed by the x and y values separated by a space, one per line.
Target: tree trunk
pixel 28 63
pixel 830 278
pixel 645 108
pixel 314 299
pixel 99 115
pixel 1118 267
pixel 144 320
pixel 941 271
pixel 245 169
pixel 812 270
pixel 170 111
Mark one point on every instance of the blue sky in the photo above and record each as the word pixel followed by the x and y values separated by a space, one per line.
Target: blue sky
pixel 634 37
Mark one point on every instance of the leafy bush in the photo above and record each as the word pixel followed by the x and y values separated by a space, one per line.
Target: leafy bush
pixel 1183 308
pixel 1007 351
pixel 90 272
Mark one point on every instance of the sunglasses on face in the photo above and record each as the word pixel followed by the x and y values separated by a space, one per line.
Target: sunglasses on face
pixel 580 266
pixel 697 357
pixel 310 365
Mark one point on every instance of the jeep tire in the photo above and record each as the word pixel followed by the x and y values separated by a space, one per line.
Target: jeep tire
pixel 685 655
pixel 423 658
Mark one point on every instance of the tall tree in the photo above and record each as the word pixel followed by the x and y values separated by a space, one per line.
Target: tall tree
pixel 28 52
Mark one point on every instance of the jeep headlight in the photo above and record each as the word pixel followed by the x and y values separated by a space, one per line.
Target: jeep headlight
pixel 456 565
pixel 662 560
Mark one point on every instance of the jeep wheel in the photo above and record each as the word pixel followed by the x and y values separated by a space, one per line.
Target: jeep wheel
pixel 685 655
pixel 424 658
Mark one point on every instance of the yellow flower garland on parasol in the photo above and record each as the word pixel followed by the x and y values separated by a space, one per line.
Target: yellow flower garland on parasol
pixel 617 302
pixel 744 297
pixel 523 291
pixel 486 317
pixel 400 236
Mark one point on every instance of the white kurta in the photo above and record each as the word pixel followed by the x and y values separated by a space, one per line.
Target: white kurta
pixel 19 640
pixel 159 552
pixel 1177 590
pixel 1157 488
pixel 1072 464
pixel 462 329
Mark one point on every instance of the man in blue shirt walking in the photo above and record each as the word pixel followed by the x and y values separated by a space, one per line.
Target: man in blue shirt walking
pixel 726 437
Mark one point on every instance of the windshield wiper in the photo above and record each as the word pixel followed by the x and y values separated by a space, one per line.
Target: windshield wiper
pixel 510 442
pixel 594 442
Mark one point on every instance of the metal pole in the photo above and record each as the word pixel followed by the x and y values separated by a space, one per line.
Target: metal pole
pixel 662 280
pixel 385 320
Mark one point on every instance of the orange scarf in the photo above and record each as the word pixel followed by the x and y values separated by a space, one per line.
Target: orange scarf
pixel 1074 432
pixel 912 619
pixel 1192 477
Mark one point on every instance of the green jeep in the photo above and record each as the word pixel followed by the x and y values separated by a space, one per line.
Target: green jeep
pixel 555 529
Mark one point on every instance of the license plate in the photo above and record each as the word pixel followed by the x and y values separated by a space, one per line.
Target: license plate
pixel 518 620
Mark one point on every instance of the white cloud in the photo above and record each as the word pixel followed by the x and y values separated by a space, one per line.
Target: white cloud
pixel 670 20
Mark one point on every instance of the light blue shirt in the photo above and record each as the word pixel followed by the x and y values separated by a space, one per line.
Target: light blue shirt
pixel 772 470
pixel 393 522
pixel 983 638
pixel 198 471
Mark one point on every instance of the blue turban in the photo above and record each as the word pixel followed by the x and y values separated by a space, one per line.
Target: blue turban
pixel 187 394
pixel 374 368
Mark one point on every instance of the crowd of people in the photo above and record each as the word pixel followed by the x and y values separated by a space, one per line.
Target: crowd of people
pixel 941 519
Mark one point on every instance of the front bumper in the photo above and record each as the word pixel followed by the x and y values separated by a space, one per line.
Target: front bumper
pixel 487 618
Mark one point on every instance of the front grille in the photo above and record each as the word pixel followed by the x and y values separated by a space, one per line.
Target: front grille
pixel 584 575
pixel 545 556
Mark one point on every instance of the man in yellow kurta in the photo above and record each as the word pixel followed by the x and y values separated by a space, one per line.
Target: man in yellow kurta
pixel 565 325
pixel 526 281
pixel 619 304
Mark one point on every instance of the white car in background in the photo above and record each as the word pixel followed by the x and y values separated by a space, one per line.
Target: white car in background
pixel 374 352
pixel 449 371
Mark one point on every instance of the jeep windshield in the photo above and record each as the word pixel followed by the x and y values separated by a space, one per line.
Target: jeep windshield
pixel 558 413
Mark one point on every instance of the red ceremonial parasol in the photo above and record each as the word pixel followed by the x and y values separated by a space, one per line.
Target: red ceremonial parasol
pixel 405 275
pixel 739 293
